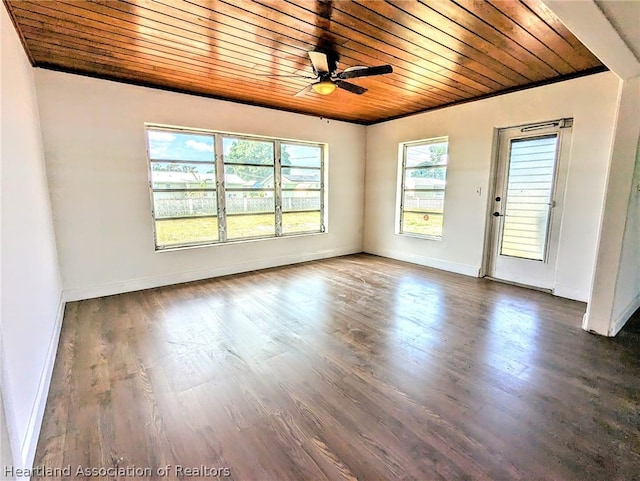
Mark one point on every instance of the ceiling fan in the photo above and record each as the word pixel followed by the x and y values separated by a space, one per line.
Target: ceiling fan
pixel 327 78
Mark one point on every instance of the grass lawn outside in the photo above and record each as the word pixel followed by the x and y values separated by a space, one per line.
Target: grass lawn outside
pixel 298 222
pixel 422 224
pixel 243 226
pixel 183 231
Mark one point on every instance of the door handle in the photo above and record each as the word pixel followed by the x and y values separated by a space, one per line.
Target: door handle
pixel 497 214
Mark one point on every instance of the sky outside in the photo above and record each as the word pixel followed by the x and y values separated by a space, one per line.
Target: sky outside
pixel 164 145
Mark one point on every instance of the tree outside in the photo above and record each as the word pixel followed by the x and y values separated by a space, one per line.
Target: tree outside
pixel 242 151
pixel 437 156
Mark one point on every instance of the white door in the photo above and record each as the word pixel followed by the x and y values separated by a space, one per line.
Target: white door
pixel 527 203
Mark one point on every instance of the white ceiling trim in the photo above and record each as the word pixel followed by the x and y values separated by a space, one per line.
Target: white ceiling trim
pixel 587 22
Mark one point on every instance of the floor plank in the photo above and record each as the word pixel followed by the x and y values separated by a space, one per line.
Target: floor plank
pixel 353 368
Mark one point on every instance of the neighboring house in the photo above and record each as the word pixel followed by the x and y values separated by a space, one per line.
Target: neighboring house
pixel 165 179
pixel 180 203
pixel 299 184
pixel 424 183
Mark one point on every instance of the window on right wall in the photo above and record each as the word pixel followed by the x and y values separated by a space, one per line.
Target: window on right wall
pixel 422 186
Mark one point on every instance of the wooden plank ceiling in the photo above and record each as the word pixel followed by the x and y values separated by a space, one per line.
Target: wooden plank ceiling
pixel 442 51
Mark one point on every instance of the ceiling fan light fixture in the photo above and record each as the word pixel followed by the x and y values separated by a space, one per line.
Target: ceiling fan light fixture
pixel 325 87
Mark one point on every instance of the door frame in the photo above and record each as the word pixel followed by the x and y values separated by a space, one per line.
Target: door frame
pixel 560 176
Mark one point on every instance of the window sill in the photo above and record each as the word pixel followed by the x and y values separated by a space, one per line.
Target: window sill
pixel 419 236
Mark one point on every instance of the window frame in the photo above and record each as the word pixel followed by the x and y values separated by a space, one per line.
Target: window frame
pixel 402 172
pixel 321 188
pixel 221 190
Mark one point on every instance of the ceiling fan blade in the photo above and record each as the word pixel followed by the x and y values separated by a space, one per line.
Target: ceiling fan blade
pixel 303 91
pixel 319 61
pixel 353 88
pixel 366 72
pixel 285 76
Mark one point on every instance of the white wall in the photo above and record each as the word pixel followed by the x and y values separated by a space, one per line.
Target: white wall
pixel 609 30
pixel 591 101
pixel 6 458
pixel 31 286
pixel 615 293
pixel 96 162
pixel 627 295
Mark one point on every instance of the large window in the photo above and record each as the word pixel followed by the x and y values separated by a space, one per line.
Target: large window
pixel 210 187
pixel 422 185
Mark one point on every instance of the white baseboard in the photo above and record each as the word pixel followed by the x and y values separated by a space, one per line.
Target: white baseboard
pixel 130 285
pixel 9 418
pixel 620 320
pixel 30 441
pixel 465 269
pixel 570 293
pixel 24 450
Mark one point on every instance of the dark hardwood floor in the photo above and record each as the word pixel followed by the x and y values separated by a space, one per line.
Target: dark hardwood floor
pixel 353 368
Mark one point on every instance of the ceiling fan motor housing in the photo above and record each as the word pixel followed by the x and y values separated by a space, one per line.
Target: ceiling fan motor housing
pixel 325 68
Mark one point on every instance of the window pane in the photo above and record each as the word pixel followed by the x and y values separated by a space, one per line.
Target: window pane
pixel 180 146
pixel 250 202
pixel 424 200
pixel 423 182
pixel 432 178
pixel 184 204
pixel 243 151
pixel 301 155
pixel 246 176
pixel 184 169
pixel 292 201
pixel 426 154
pixel 296 222
pixel 185 231
pixel 423 224
pixel 293 178
pixel 242 226
pixel 529 190
pixel 168 175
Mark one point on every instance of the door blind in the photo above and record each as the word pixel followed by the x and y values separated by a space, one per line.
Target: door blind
pixel 529 196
